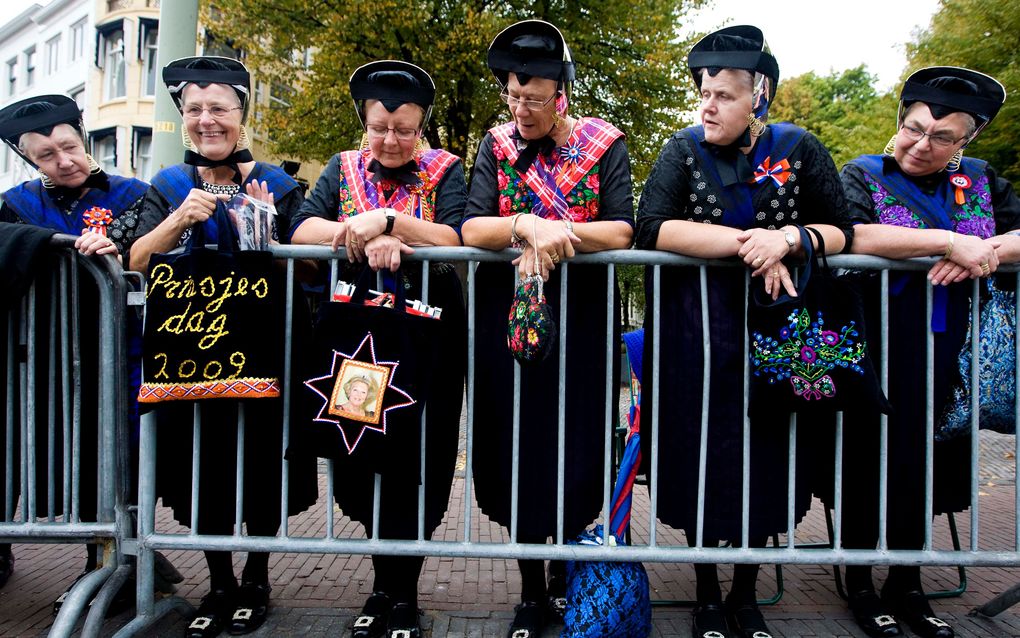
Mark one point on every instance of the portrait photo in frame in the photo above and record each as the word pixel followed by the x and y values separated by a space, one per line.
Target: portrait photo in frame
pixel 358 391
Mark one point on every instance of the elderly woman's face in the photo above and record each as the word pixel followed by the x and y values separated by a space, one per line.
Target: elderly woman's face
pixel 212 117
pixel 534 124
pixel 922 157
pixel 391 136
pixel 725 105
pixel 358 393
pixel 60 155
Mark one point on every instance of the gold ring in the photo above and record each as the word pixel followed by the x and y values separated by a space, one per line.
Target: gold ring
pixel 775 274
pixel 555 257
pixel 354 241
pixel 757 260
pixel 985 269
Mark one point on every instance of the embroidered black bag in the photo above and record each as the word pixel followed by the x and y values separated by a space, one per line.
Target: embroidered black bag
pixel 213 321
pixel 366 382
pixel 808 353
pixel 531 329
pixel 996 374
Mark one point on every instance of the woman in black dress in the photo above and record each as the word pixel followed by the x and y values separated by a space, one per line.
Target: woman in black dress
pixel 378 201
pixel 71 195
pixel 921 198
pixel 557 184
pixel 733 187
pixel 213 96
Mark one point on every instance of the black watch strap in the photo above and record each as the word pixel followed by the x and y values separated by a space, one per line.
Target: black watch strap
pixel 391 216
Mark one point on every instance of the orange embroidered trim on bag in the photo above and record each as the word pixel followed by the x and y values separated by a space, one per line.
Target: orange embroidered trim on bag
pixel 234 389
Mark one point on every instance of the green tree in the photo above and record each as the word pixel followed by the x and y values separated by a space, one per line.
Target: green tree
pixel 842 109
pixel 984 36
pixel 630 64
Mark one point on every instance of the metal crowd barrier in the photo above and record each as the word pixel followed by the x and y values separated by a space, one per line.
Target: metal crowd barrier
pixel 32 323
pixel 651 549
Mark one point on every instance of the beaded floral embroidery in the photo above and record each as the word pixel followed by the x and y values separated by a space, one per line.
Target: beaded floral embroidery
pixel 515 196
pixel 423 192
pixel 973 217
pixel 805 353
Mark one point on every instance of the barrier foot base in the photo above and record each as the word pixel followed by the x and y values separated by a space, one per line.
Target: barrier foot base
pixel 140 624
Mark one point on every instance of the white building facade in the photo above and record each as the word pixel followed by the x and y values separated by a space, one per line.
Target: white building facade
pixel 44 50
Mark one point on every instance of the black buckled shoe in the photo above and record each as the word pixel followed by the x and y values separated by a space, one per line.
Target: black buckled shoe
pixel 212 614
pixel 6 568
pixel 404 622
pixel 557 598
pixel 374 615
pixel 746 621
pixel 709 621
pixel 912 607
pixel 252 608
pixel 529 620
pixel 872 616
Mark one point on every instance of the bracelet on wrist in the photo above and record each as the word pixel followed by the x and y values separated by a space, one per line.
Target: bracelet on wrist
pixel 949 245
pixel 516 240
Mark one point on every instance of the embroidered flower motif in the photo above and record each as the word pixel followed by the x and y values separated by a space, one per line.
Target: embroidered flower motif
pixel 502 180
pixel 694 197
pixel 711 199
pixel 716 212
pixel 807 354
pixel 592 182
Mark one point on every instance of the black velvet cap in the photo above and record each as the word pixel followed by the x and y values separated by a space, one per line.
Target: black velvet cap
pixel 738 47
pixel 204 70
pixel 51 110
pixel 950 89
pixel 531 48
pixel 393 83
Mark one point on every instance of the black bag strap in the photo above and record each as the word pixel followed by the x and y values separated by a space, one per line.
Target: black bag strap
pixel 224 232
pixel 364 282
pixel 820 251
pixel 802 282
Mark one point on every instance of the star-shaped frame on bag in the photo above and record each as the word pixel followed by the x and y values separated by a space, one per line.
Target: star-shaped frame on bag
pixel 358 393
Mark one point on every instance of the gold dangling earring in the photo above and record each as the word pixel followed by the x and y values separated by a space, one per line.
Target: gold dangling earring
pixel 420 146
pixel 243 141
pixel 45 179
pixel 557 120
pixel 953 164
pixel 186 139
pixel 890 148
pixel 364 141
pixel 94 166
pixel 756 125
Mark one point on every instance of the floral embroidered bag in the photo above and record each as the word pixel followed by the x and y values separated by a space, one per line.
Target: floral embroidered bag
pixel 531 330
pixel 808 353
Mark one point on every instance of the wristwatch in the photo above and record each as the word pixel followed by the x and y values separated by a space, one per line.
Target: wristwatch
pixel 391 216
pixel 790 241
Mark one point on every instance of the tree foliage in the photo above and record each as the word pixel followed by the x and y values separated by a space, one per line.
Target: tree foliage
pixel 842 109
pixel 630 64
pixel 984 36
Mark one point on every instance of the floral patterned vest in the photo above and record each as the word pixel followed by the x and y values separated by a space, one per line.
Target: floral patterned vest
pixel 358 194
pixel 899 202
pixel 565 185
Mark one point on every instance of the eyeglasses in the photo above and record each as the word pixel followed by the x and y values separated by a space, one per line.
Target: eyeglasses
pixel 402 134
pixel 938 140
pixel 531 105
pixel 217 112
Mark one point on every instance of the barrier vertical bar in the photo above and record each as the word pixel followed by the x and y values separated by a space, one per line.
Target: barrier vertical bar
pixel 791 484
pixel 196 460
pixel 745 487
pixel 147 512
pixel 561 403
pixel 929 415
pixel 975 408
pixel 75 388
pixel 653 471
pixel 706 385
pixel 28 497
pixel 611 351
pixel 515 453
pixel 239 472
pixel 421 464
pixel 11 455
pixel 65 383
pixel 51 399
pixel 288 397
pixel 837 486
pixel 883 423
pixel 470 426
pixel 330 523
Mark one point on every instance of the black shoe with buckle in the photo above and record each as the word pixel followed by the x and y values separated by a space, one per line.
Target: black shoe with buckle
pixel 872 616
pixel 912 607
pixel 252 608
pixel 529 620
pixel 374 617
pixel 557 598
pixel 404 622
pixel 6 568
pixel 212 614
pixel 709 621
pixel 746 621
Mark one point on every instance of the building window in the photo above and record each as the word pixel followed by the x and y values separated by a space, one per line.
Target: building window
pixel 104 149
pixel 77 40
pixel 29 67
pixel 114 80
pixel 12 76
pixel 53 56
pixel 142 153
pixel 78 95
pixel 148 41
pixel 224 48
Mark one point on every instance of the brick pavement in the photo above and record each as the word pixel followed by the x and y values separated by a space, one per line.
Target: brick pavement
pixel 318 595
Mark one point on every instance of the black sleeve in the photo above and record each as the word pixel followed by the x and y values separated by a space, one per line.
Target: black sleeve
pixel 616 192
pixel 451 197
pixel 664 196
pixel 1004 201
pixel 483 196
pixel 824 199
pixel 8 215
pixel 125 229
pixel 324 199
pixel 287 208
pixel 155 208
pixel 858 195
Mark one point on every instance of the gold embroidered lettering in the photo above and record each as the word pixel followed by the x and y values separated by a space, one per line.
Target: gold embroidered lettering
pixel 214 305
pixel 191 369
pixel 195 322
pixel 242 287
pixel 207 287
pixel 216 330
pixel 161 274
pixel 237 360
pixel 162 371
pixel 260 288
pixel 212 375
pixel 174 323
